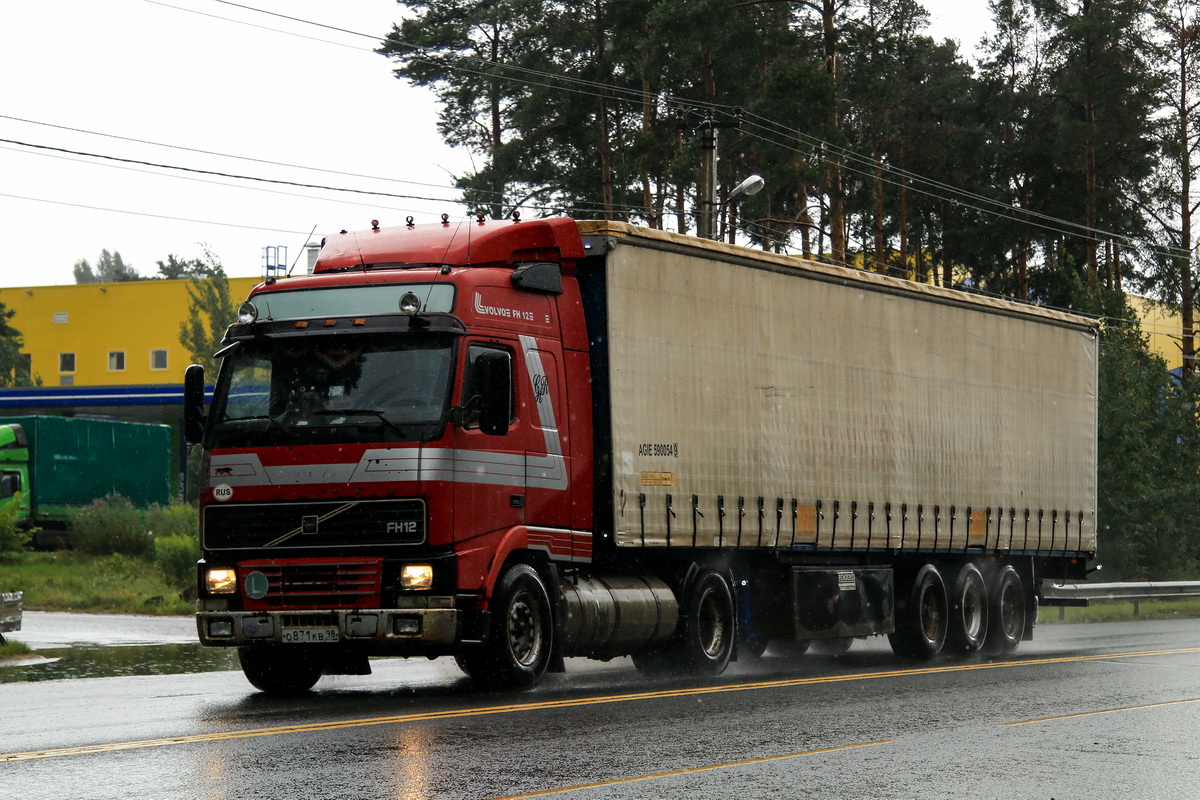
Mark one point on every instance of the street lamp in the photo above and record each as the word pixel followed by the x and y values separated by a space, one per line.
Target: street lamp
pixel 749 187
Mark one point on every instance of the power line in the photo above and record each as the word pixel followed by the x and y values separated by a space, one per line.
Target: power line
pixel 219 154
pixel 146 214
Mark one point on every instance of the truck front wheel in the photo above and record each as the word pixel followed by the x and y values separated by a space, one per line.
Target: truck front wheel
pixel 517 650
pixel 280 670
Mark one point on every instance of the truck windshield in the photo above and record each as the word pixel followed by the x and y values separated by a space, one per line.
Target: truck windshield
pixel 379 388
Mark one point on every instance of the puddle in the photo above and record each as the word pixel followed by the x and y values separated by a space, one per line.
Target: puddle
pixel 89 661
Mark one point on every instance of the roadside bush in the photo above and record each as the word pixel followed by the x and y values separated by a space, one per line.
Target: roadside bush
pixel 111 525
pixel 176 557
pixel 12 538
pixel 177 519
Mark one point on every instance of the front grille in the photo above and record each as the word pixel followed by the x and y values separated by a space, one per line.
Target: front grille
pixel 340 524
pixel 302 583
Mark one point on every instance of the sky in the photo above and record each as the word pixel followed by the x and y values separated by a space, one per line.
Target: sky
pixel 215 86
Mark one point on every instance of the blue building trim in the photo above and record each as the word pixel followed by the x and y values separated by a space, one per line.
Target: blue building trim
pixel 66 396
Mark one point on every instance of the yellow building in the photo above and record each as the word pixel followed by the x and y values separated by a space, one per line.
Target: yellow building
pixel 1163 328
pixel 106 334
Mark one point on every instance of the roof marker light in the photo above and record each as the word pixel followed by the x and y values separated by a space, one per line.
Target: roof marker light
pixel 410 304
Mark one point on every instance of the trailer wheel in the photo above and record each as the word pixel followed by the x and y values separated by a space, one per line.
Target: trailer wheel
pixel 517 650
pixel 921 621
pixel 1007 608
pixel 281 670
pixel 968 611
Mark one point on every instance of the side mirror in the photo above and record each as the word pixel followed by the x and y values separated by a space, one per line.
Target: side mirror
pixel 495 386
pixel 194 416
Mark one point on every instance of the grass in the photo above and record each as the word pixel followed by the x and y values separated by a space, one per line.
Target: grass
pixel 14 649
pixel 1122 610
pixel 70 581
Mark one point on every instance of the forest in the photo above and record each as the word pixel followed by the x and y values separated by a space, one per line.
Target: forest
pixel 1052 163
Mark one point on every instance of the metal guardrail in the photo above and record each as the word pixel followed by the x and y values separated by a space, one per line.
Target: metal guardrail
pixel 10 612
pixel 1117 591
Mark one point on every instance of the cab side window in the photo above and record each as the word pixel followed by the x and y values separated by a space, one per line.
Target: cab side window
pixel 472 400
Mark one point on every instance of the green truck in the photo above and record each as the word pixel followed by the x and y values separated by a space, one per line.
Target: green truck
pixel 61 463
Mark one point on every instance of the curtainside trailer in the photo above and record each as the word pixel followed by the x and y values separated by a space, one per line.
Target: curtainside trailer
pixel 515 442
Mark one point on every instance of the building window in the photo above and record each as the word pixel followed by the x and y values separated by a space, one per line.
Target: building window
pixel 60 318
pixel 66 380
pixel 158 359
pixel 66 362
pixel 116 360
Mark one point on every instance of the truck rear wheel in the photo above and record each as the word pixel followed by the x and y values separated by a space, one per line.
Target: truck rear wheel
pixel 280 670
pixel 968 606
pixel 711 627
pixel 921 621
pixel 1007 609
pixel 517 650
pixel 703 645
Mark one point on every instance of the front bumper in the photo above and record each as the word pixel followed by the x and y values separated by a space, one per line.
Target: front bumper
pixel 400 629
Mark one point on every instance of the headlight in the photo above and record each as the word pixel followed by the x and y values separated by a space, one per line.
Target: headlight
pixel 416 576
pixel 221 581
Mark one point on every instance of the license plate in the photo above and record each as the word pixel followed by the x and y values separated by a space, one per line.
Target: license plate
pixel 310 635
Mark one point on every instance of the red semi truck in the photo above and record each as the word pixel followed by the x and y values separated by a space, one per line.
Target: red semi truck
pixel 515 442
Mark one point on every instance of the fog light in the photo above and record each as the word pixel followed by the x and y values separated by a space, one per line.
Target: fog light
pixel 416 576
pixel 406 626
pixel 220 628
pixel 221 581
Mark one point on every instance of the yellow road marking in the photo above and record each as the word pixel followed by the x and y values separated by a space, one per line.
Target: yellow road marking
pixel 692 770
pixel 1102 711
pixel 567 703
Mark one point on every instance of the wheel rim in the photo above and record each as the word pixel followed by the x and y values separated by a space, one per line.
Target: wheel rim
pixel 525 629
pixel 973 611
pixel 1012 612
pixel 713 625
pixel 931 614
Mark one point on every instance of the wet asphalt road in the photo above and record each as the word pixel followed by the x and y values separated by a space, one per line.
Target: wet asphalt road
pixel 1095 711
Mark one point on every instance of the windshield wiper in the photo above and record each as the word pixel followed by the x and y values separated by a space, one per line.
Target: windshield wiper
pixel 236 423
pixel 367 412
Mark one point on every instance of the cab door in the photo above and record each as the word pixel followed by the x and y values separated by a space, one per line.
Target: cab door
pixel 489 471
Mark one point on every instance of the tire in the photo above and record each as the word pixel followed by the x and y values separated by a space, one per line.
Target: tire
pixel 710 628
pixel 703 645
pixel 968 606
pixel 922 619
pixel 281 670
pixel 832 647
pixel 521 635
pixel 1007 612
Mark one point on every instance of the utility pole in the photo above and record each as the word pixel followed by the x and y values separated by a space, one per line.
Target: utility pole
pixel 706 188
pixel 706 185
